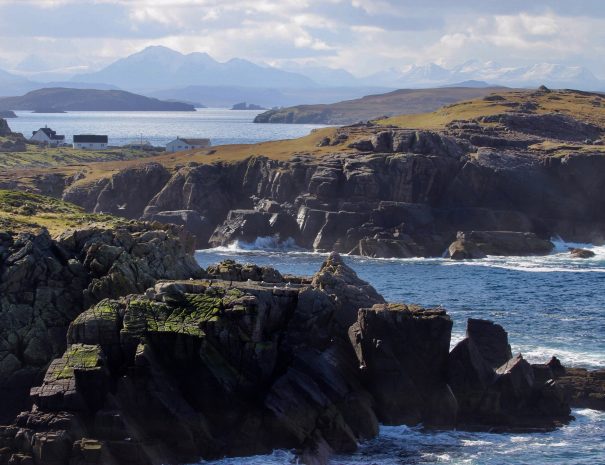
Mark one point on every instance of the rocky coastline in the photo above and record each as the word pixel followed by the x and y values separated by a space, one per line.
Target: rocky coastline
pixel 238 360
pixel 506 183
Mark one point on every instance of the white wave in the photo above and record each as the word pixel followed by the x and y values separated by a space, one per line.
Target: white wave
pixel 260 244
pixel 278 457
pixel 571 358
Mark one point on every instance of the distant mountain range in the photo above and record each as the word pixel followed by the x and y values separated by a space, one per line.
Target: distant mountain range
pixel 160 68
pixel 431 75
pixel 165 73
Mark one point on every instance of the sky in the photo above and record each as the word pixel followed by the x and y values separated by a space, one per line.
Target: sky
pixel 362 36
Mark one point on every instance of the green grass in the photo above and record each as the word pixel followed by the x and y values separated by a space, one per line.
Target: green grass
pixel 45 157
pixel 23 211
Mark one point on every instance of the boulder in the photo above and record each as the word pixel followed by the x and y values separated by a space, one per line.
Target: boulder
pixel 507 243
pixel 581 253
pixel 463 249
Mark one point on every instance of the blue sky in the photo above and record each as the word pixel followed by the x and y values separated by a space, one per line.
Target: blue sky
pixel 361 36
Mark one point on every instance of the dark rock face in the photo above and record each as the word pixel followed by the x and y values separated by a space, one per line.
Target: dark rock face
pixel 5 130
pixel 46 283
pixel 395 192
pixel 402 353
pixel 493 388
pixel 191 220
pixel 214 367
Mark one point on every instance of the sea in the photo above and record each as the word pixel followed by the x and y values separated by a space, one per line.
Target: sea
pixel 220 125
pixel 552 305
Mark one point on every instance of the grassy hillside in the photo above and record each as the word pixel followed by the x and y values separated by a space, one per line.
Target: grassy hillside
pixel 584 106
pixel 47 157
pixel 406 101
pixel 22 211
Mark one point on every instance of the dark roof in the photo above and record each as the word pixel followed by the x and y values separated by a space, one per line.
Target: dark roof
pixel 90 139
pixel 196 141
pixel 52 135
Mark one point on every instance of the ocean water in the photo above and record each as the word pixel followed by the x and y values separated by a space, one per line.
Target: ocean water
pixel 220 125
pixel 552 305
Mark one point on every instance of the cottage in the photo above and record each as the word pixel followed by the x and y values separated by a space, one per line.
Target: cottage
pixel 90 142
pixel 47 136
pixel 178 144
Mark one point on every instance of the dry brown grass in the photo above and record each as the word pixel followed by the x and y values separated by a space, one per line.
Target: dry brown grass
pixel 588 107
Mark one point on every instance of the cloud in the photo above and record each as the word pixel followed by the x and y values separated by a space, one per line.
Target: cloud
pixel 360 35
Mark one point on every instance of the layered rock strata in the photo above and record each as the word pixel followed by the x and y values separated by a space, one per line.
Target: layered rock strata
pixel 246 361
pixel 385 191
pixel 46 283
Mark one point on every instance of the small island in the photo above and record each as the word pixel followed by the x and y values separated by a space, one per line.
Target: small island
pixel 61 100
pixel 7 114
pixel 247 106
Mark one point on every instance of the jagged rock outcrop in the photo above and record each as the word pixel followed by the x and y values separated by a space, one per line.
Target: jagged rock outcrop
pixel 493 388
pixel 213 368
pixel 46 283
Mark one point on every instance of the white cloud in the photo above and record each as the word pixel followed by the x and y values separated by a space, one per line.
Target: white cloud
pixel 359 35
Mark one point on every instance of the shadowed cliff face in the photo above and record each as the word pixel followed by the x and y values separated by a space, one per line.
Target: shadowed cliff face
pixel 387 191
pixel 46 283
pixel 244 363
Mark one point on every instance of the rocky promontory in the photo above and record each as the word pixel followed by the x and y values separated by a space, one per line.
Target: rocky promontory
pixel 46 282
pixel 245 361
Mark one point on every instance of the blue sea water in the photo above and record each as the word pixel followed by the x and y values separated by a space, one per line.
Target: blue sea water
pixel 552 305
pixel 220 125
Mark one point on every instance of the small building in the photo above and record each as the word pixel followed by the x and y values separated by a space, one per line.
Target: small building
pixel 90 142
pixel 178 144
pixel 47 136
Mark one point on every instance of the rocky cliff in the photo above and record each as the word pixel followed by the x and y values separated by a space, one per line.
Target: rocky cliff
pixel 387 191
pixel 243 362
pixel 46 283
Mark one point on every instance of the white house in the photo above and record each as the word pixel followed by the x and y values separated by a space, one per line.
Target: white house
pixel 90 142
pixel 47 136
pixel 178 144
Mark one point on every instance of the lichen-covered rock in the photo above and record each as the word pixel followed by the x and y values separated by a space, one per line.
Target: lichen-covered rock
pixel 45 284
pixel 347 290
pixel 218 367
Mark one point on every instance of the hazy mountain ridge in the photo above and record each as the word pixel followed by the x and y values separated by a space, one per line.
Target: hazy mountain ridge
pixel 164 73
pixel 552 75
pixel 157 68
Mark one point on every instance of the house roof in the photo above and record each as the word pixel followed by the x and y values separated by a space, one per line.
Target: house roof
pixel 52 135
pixel 203 142
pixel 90 139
